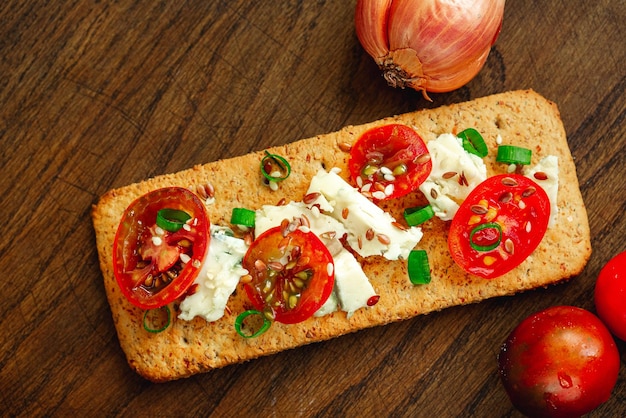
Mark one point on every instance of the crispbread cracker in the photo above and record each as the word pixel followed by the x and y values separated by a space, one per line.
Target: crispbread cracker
pixel 522 118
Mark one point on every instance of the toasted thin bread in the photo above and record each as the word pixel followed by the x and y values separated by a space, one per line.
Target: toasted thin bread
pixel 522 118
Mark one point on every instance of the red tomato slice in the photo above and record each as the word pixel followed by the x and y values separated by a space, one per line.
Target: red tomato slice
pixel 389 161
pixel 292 274
pixel 498 225
pixel 147 260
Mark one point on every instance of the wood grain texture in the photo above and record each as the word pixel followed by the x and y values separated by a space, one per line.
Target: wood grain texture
pixel 96 95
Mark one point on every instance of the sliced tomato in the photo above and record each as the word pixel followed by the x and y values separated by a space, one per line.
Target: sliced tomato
pixel 499 225
pixel 154 267
pixel 389 161
pixel 292 274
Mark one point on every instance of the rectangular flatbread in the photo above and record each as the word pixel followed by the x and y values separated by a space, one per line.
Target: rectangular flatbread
pixel 522 118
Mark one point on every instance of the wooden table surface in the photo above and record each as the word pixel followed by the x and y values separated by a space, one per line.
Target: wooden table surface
pixel 96 95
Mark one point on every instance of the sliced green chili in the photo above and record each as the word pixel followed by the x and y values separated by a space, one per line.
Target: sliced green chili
pixel 152 318
pixel 418 215
pixel 418 267
pixel 488 225
pixel 473 142
pixel 510 154
pixel 239 324
pixel 171 219
pixel 242 216
pixel 270 161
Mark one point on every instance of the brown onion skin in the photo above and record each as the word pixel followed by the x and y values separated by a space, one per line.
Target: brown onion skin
pixel 429 45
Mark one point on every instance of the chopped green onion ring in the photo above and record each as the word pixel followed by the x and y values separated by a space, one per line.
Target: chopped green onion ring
pixel 171 219
pixel 473 142
pixel 479 228
pixel 242 216
pixel 510 154
pixel 153 319
pixel 242 317
pixel 418 267
pixel 418 215
pixel 281 162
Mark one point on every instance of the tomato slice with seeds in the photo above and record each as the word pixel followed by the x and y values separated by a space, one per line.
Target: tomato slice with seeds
pixel 499 225
pixel 389 161
pixel 152 266
pixel 292 274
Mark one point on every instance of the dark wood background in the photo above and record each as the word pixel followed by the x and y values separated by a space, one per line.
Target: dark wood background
pixel 97 94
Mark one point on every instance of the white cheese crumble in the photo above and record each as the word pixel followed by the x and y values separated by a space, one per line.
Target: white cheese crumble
pixel 454 174
pixel 218 277
pixel 370 230
pixel 549 166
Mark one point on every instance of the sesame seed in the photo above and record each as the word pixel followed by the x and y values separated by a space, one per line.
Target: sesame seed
pixel 184 258
pixel 379 195
pixel 385 170
pixel 389 189
pixel 330 268
pixel 157 240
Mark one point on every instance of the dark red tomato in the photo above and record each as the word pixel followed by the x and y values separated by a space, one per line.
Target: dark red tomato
pixel 292 274
pixel 498 225
pixel 389 161
pixel 153 267
pixel 560 362
pixel 610 295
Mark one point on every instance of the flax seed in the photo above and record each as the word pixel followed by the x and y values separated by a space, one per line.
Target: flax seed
pixel 505 197
pixel 384 239
pixel 508 181
pixel 344 146
pixel 311 197
pixel 529 191
pixel 478 209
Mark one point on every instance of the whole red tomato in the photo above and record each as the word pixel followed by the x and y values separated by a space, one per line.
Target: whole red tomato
pixel 610 295
pixel 560 362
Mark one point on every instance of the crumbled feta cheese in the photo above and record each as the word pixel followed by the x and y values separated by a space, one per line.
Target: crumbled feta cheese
pixel 218 277
pixel 454 174
pixel 549 166
pixel 370 230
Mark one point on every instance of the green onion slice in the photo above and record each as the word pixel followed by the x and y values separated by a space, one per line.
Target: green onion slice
pixel 473 142
pixel 481 227
pixel 239 323
pixel 171 219
pixel 419 268
pixel 157 320
pixel 270 163
pixel 418 215
pixel 510 154
pixel 242 216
